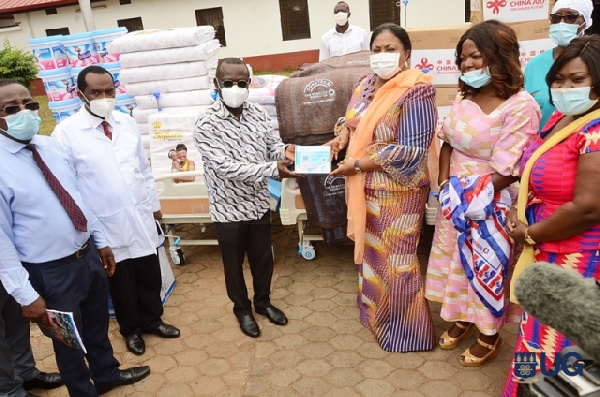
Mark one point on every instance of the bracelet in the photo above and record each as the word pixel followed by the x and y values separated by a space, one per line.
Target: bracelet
pixel 444 182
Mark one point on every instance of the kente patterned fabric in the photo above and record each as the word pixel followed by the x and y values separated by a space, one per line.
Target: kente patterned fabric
pixel 482 143
pixel 479 215
pixel 552 184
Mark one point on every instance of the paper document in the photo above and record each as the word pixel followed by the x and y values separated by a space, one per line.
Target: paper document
pixel 313 160
pixel 63 329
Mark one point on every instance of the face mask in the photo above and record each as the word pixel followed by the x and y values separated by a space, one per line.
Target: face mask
pixel 477 78
pixel 341 18
pixel 562 33
pixel 102 107
pixel 385 64
pixel 572 101
pixel 234 96
pixel 23 125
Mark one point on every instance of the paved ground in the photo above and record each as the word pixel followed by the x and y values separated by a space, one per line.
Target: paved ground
pixel 323 351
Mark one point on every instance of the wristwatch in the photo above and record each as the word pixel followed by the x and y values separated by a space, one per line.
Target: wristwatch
pixel 357 167
pixel 528 238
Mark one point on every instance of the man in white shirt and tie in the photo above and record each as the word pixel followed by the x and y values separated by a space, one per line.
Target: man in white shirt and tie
pixel 106 150
pixel 343 38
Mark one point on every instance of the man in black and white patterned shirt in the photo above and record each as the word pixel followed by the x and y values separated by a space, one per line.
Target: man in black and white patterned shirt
pixel 240 151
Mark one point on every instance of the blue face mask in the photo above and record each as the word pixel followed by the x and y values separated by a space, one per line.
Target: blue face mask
pixel 572 101
pixel 23 125
pixel 562 33
pixel 477 78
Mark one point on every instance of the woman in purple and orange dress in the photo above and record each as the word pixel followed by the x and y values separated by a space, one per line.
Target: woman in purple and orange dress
pixel 563 208
pixel 390 122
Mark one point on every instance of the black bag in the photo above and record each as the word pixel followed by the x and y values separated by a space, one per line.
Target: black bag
pixel 324 197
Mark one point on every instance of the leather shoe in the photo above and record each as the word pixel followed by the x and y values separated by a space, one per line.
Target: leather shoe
pixel 44 380
pixel 126 377
pixel 274 315
pixel 164 330
pixel 249 326
pixel 135 344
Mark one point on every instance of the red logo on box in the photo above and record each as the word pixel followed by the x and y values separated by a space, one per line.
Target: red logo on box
pixel 496 4
pixel 424 64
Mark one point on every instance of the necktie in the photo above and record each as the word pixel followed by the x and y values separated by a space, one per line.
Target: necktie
pixel 64 197
pixel 106 130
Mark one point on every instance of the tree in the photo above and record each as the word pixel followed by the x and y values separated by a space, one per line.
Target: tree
pixel 17 64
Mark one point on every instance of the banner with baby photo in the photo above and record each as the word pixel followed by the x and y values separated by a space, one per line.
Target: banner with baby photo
pixel 172 147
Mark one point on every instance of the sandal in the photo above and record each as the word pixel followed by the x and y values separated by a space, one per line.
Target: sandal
pixel 448 342
pixel 469 360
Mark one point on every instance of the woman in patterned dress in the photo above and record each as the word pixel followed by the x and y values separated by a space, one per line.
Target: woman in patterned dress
pixel 489 126
pixel 563 206
pixel 389 123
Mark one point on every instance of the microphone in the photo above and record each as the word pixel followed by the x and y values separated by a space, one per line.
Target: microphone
pixel 564 300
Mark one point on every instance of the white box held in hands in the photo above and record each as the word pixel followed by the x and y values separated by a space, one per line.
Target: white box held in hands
pixel 313 160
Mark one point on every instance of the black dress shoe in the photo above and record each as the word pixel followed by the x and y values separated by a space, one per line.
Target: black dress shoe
pixel 126 377
pixel 274 315
pixel 249 326
pixel 44 380
pixel 164 330
pixel 135 344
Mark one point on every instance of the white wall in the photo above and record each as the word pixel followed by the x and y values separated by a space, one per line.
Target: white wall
pixel 252 26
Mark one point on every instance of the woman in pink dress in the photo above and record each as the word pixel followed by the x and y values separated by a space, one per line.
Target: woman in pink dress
pixel 563 209
pixel 491 123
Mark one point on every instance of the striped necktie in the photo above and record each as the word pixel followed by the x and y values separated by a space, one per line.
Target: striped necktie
pixel 107 130
pixel 66 200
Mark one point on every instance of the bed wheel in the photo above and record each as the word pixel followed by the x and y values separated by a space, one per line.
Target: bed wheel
pixel 306 251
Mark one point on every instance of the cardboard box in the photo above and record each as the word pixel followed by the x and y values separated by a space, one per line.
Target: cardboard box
pixel 532 30
pixel 532 48
pixel 436 37
pixel 444 95
pixel 441 64
pixel 514 10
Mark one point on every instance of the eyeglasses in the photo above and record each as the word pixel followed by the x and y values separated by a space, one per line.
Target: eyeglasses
pixel 229 83
pixel 569 18
pixel 13 109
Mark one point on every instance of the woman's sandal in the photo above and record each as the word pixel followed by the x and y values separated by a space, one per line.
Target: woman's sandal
pixel 447 342
pixel 469 360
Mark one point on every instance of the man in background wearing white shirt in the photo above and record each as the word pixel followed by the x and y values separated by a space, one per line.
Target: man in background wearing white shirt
pixel 106 150
pixel 344 38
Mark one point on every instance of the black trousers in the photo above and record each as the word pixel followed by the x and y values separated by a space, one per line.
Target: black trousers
pixel 135 292
pixel 252 238
pixel 79 286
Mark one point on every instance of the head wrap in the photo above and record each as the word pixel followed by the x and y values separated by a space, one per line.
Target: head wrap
pixel 584 7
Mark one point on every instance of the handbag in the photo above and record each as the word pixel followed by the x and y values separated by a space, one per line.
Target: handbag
pixel 528 256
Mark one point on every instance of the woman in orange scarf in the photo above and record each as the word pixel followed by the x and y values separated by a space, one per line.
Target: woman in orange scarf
pixel 389 124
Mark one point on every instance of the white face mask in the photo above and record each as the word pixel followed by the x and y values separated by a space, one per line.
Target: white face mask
pixel 102 107
pixel 340 18
pixel 234 96
pixel 385 64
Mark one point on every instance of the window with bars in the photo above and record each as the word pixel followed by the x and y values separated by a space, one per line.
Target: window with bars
pixel 295 23
pixel 212 17
pixel 55 32
pixel 383 11
pixel 132 24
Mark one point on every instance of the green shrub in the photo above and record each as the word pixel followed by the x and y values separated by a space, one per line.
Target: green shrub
pixel 17 64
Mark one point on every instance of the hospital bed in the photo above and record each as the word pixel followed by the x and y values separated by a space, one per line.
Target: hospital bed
pixel 182 203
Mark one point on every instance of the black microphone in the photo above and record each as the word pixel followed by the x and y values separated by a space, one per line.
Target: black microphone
pixel 564 300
